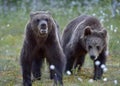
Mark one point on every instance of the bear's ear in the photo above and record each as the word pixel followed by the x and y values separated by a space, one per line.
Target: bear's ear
pixel 48 12
pixel 32 14
pixel 87 31
pixel 39 12
pixel 104 33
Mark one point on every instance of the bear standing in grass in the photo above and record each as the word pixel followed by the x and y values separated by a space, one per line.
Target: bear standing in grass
pixel 83 35
pixel 41 41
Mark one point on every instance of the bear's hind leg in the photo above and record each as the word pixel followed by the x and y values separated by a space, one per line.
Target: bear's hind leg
pixel 79 62
pixel 69 65
pixel 26 72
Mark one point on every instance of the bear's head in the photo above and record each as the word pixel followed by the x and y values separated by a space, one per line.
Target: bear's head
pixel 41 23
pixel 95 41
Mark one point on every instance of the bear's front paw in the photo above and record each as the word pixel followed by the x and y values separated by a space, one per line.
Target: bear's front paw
pixel 27 83
pixel 97 77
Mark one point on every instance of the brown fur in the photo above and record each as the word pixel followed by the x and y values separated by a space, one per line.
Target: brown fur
pixel 41 40
pixel 80 34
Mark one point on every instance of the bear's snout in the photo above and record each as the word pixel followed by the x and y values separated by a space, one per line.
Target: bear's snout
pixel 43 27
pixel 93 57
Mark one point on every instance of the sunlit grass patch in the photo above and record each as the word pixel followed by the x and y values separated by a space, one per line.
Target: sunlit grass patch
pixel 10 77
pixel 10 45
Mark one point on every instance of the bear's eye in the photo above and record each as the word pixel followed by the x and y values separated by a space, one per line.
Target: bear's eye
pixel 38 20
pixel 98 47
pixel 46 19
pixel 89 47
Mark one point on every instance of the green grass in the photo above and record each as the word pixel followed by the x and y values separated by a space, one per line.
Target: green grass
pixel 12 34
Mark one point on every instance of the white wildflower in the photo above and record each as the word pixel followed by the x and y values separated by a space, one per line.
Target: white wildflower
pixel 91 81
pixel 94 14
pixel 8 25
pixel 102 66
pixel 68 72
pixel 52 67
pixel 105 69
pixel 101 20
pixel 97 63
pixel 115 30
pixel 115 82
pixel 80 79
pixel 105 79
pixel 107 53
pixel 2 38
pixel 111 27
pixel 118 42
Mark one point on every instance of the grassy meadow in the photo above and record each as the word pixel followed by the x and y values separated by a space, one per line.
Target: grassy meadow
pixel 12 25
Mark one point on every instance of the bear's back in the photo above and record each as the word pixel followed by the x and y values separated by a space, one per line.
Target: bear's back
pixel 67 33
pixel 90 21
pixel 79 25
pixel 93 22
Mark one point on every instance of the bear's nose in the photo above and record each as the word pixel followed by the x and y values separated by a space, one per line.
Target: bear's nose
pixel 43 26
pixel 92 57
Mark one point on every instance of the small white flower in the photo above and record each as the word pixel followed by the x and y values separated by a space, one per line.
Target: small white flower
pixel 115 82
pixel 105 69
pixel 2 38
pixel 102 66
pixel 68 72
pixel 8 25
pixel 7 51
pixel 94 14
pixel 101 20
pixel 111 27
pixel 52 67
pixel 97 63
pixel 115 30
pixel 105 79
pixel 80 79
pixel 107 53
pixel 118 41
pixel 91 81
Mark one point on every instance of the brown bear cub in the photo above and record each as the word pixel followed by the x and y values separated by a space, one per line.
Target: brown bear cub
pixel 83 35
pixel 42 41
